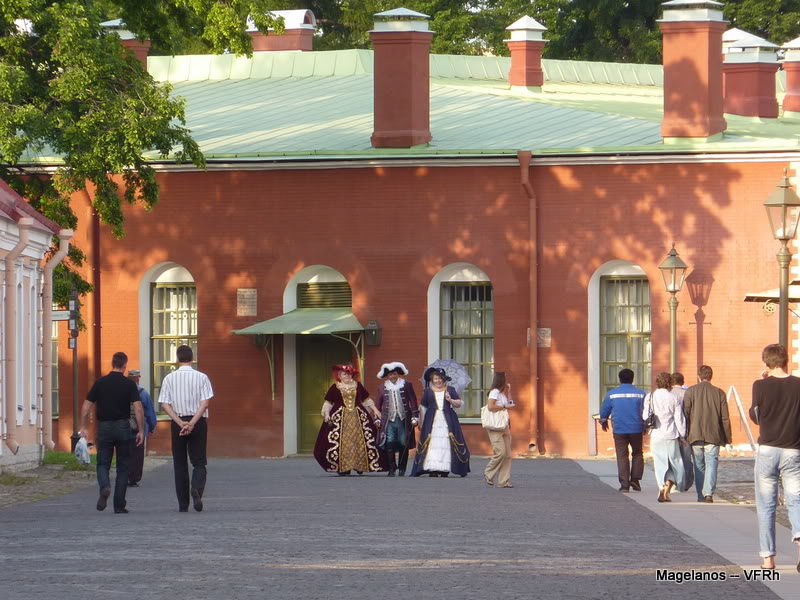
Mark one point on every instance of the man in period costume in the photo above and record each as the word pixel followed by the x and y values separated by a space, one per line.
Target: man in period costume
pixel 397 403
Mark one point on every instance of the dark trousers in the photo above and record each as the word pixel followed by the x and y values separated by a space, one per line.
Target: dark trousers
pixel 136 465
pixel 403 463
pixel 193 446
pixel 114 436
pixel 629 470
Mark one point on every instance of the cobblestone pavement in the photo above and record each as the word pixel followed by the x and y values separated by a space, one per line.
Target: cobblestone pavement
pixel 284 529
pixel 735 484
pixel 48 481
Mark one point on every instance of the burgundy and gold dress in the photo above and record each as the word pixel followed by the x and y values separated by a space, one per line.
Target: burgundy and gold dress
pixel 349 441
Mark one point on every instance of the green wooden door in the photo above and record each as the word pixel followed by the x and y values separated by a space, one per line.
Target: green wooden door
pixel 315 356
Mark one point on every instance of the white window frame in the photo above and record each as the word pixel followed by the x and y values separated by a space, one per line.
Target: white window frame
pixel 459 272
pixel 613 267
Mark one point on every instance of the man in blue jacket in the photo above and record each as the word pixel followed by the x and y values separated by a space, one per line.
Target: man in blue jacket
pixel 624 404
pixel 136 466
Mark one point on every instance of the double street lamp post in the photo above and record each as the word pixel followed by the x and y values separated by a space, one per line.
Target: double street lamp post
pixel 673 272
pixel 783 210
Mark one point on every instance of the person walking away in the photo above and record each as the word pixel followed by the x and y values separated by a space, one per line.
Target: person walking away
pixel 776 410
pixel 624 406
pixel 185 395
pixel 679 391
pixel 667 436
pixel 708 422
pixel 678 387
pixel 112 396
pixel 138 453
pixel 397 404
pixel 500 464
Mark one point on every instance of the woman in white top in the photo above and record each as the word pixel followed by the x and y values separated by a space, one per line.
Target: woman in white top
pixel 665 438
pixel 500 463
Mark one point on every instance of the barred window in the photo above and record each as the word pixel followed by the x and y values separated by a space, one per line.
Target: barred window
pixel 173 324
pixel 467 336
pixel 624 331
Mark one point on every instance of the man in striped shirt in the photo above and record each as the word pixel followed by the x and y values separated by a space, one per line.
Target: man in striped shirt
pixel 185 395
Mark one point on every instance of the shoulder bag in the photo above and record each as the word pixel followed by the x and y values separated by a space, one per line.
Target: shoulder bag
pixel 494 420
pixel 650 422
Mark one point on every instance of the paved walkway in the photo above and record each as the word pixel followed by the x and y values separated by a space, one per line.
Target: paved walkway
pixel 729 529
pixel 284 529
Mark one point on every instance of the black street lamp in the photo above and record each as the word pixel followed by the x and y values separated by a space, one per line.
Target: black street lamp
pixel 782 210
pixel 673 271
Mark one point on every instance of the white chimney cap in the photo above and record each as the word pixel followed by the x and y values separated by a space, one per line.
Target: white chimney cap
pixel 692 10
pixel 400 19
pixel 292 19
pixel 681 4
pixel 118 25
pixel 734 34
pixel 753 42
pixel 401 13
pixel 793 45
pixel 526 24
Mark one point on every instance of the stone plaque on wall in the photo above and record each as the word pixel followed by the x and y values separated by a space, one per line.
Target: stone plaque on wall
pixel 246 302
pixel 543 337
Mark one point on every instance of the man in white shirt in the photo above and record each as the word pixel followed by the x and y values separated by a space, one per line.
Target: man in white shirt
pixel 185 394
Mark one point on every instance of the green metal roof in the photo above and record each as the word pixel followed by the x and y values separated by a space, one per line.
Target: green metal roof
pixel 289 105
pixel 307 321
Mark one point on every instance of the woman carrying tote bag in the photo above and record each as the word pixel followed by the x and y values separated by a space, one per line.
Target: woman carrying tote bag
pixel 494 418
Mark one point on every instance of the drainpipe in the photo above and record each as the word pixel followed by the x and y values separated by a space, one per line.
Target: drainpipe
pixel 24 225
pixel 524 158
pixel 65 235
pixel 96 301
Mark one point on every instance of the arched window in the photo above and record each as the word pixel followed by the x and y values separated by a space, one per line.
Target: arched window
pixel 168 299
pixel 619 332
pixel 461 327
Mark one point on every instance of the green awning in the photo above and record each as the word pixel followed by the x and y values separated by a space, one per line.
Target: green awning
pixel 307 321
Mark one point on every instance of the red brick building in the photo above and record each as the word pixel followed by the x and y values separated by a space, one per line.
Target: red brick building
pixel 513 224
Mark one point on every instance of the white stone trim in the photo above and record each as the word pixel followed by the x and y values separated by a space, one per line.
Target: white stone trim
pixel 165 272
pixel 453 272
pixel 310 274
pixel 614 267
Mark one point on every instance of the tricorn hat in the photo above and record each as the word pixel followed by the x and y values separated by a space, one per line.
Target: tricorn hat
pixel 387 368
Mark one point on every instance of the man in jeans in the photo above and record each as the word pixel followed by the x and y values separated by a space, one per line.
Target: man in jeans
pixel 113 395
pixel 184 395
pixel 709 426
pixel 624 405
pixel 776 410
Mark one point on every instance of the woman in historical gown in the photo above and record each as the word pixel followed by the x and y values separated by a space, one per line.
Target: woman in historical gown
pixel 442 449
pixel 347 440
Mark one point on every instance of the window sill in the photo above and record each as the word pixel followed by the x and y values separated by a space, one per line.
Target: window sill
pixel 470 420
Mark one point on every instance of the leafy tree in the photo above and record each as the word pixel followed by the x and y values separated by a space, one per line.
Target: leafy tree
pixel 776 20
pixel 68 88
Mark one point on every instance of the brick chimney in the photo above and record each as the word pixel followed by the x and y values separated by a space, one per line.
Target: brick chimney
pixel 140 48
pixel 401 76
pixel 297 35
pixel 749 71
pixel 692 39
pixel 526 46
pixel 791 66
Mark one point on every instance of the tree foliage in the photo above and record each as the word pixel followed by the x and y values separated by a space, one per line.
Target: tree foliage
pixel 601 30
pixel 776 20
pixel 69 89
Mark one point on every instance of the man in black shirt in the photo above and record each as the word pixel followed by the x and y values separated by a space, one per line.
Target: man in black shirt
pixel 776 410
pixel 112 395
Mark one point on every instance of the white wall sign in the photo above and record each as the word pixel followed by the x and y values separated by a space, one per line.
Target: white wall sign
pixel 246 300
pixel 544 336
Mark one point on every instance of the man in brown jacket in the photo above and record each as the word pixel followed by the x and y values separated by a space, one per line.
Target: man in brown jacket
pixel 709 427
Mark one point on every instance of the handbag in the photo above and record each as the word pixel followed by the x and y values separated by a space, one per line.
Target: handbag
pixel 650 422
pixel 496 420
